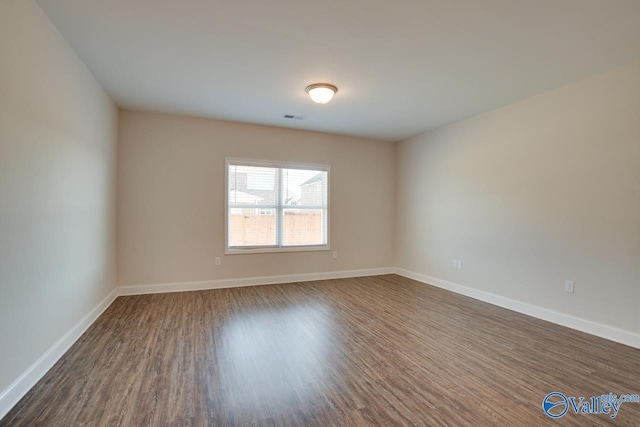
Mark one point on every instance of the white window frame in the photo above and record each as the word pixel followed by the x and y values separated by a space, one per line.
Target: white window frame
pixel 279 208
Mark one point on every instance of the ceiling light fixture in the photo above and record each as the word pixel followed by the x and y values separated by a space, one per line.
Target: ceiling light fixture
pixel 321 92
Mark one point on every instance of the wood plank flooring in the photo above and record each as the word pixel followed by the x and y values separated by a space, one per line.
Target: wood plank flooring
pixel 379 350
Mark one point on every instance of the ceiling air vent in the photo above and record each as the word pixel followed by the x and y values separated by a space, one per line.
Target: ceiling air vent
pixel 291 116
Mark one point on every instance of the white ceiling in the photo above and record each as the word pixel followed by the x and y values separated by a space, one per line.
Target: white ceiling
pixel 402 67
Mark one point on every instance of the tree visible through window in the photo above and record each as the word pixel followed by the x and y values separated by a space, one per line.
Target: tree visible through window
pixel 273 206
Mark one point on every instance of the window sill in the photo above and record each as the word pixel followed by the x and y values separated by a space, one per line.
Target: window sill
pixel 267 250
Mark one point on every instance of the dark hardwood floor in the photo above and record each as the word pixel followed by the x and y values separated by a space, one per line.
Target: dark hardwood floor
pixel 368 351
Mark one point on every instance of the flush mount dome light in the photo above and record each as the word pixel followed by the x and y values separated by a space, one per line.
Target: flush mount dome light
pixel 321 92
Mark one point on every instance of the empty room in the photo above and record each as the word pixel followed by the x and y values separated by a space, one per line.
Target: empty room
pixel 319 213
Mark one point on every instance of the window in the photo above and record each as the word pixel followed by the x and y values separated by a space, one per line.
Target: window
pixel 275 206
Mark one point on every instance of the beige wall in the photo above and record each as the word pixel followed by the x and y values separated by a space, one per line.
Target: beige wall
pixel 171 198
pixel 531 195
pixel 58 134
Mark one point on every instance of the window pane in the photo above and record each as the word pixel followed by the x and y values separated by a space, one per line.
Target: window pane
pixel 271 207
pixel 252 185
pixel 304 227
pixel 252 227
pixel 301 187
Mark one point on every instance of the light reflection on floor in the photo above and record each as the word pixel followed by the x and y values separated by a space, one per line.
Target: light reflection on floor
pixel 275 357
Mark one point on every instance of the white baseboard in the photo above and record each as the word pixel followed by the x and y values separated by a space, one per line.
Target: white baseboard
pixel 251 281
pixel 12 394
pixel 594 328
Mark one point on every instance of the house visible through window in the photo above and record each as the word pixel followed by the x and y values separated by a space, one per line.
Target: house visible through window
pixel 276 206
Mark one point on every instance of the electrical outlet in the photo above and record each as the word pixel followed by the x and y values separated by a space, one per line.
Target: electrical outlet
pixel 454 263
pixel 569 286
pixel 459 266
pixel 217 260
pixel 335 255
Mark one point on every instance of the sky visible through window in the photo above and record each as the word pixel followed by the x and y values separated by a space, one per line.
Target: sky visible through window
pixel 292 180
pixel 263 178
